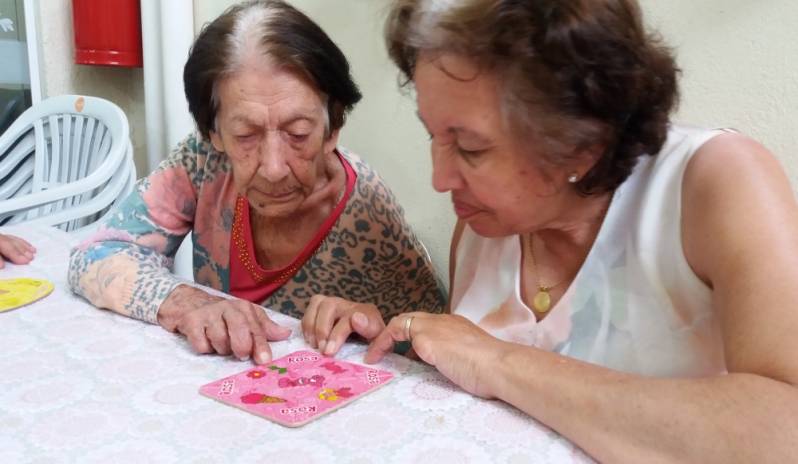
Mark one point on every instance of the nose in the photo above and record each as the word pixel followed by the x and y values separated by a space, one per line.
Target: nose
pixel 445 172
pixel 273 162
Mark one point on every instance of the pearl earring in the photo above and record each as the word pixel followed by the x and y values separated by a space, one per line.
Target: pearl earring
pixel 573 178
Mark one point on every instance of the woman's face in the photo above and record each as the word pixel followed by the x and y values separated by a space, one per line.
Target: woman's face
pixel 272 124
pixel 496 183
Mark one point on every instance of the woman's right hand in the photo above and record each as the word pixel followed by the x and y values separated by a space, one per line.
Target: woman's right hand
pixel 225 326
pixel 461 350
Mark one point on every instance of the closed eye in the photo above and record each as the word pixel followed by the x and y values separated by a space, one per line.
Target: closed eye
pixel 245 138
pixel 297 138
pixel 471 153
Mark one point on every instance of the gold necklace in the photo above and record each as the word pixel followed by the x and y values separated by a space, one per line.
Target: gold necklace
pixel 542 300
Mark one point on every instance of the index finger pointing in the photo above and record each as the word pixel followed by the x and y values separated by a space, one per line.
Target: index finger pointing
pixel 261 352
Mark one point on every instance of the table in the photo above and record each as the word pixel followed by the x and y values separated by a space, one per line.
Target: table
pixel 78 384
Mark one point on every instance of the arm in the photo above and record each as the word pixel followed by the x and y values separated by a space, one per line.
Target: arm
pixel 740 231
pixel 125 266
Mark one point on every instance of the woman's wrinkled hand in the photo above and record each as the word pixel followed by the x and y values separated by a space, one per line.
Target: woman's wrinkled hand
pixel 458 348
pixel 329 321
pixel 15 250
pixel 225 326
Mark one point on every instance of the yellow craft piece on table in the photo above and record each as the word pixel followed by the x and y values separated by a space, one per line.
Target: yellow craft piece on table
pixel 22 291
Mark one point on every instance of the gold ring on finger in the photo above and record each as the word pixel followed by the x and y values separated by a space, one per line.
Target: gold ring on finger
pixel 408 322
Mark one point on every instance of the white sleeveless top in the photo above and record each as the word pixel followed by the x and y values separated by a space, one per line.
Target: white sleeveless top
pixel 635 305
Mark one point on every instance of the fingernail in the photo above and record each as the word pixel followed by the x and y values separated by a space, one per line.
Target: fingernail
pixel 322 345
pixel 330 348
pixel 243 358
pixel 264 357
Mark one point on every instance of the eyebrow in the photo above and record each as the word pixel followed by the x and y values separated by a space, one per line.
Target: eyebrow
pixel 240 118
pixel 479 138
pixel 459 131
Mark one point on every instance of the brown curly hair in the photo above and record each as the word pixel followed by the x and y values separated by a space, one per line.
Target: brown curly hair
pixel 576 74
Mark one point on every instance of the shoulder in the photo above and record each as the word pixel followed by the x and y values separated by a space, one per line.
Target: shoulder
pixel 366 175
pixel 197 157
pixel 730 166
pixel 734 190
pixel 371 195
pixel 734 150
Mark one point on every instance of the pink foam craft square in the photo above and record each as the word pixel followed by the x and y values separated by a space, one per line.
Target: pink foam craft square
pixel 297 388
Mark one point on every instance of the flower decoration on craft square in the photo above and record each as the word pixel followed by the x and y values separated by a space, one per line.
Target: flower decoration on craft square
pixel 329 394
pixel 256 374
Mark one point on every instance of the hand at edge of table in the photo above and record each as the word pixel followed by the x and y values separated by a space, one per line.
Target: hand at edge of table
pixel 213 324
pixel 15 250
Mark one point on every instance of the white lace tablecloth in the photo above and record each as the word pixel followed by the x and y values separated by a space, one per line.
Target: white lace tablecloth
pixel 78 384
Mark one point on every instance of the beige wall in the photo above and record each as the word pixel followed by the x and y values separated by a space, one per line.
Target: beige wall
pixel 740 61
pixel 60 75
pixel 740 64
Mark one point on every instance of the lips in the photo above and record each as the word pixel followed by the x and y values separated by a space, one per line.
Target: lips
pixel 464 210
pixel 277 195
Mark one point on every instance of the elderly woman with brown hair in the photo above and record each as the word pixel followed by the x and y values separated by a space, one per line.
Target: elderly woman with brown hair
pixel 281 216
pixel 627 281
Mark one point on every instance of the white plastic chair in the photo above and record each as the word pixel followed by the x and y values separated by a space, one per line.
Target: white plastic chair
pixel 65 162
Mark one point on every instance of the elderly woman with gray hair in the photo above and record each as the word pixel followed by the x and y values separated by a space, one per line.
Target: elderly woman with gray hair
pixel 281 216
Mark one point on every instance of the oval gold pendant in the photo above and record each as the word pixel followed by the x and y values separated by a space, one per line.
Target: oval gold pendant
pixel 542 301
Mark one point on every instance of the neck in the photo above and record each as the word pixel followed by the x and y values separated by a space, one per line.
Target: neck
pixel 277 241
pixel 571 236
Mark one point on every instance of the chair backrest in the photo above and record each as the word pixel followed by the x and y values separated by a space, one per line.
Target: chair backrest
pixel 65 162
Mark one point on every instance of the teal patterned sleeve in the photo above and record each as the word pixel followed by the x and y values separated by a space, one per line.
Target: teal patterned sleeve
pixel 126 265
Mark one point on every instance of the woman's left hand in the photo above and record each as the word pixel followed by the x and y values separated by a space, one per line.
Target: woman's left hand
pixel 460 350
pixel 329 320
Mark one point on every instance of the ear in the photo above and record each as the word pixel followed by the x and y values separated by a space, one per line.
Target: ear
pixel 216 141
pixel 586 158
pixel 332 141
